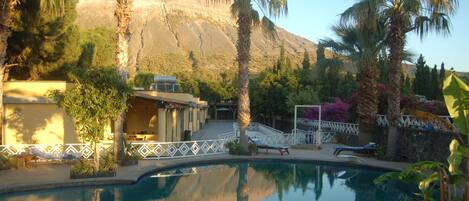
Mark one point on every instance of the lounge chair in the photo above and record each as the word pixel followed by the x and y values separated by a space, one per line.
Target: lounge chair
pixel 40 155
pixel 281 148
pixel 368 149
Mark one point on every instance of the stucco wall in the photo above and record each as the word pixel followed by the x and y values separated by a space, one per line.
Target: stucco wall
pixel 37 123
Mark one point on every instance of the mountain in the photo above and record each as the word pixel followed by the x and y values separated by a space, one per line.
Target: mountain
pixel 169 36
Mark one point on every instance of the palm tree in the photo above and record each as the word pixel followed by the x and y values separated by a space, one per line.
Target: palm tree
pixel 404 16
pixel 7 10
pixel 362 43
pixel 247 17
pixel 122 13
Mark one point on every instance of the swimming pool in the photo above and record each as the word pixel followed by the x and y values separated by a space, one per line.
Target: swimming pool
pixel 238 181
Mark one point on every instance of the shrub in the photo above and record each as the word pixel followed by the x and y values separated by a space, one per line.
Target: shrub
pixel 7 162
pixel 86 168
pixel 336 111
pixel 234 147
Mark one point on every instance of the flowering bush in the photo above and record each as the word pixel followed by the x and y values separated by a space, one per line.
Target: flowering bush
pixel 337 111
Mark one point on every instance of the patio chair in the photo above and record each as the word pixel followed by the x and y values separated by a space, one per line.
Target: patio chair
pixel 368 149
pixel 260 145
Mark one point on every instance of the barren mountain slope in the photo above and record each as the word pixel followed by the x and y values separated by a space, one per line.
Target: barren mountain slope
pixel 164 32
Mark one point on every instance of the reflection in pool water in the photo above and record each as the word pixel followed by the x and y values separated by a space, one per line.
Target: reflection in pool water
pixel 238 181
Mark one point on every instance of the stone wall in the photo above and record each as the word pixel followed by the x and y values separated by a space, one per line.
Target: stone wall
pixel 413 145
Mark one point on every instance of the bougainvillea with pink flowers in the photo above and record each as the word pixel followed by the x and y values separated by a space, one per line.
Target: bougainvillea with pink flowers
pixel 337 111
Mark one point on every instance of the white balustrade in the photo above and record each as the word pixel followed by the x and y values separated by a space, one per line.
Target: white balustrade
pixel 330 126
pixel 54 151
pixel 409 121
pixel 168 150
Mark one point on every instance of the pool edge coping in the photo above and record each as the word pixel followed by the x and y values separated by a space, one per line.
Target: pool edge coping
pixel 199 162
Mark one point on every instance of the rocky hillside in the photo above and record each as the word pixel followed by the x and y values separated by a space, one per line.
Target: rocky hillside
pixel 169 36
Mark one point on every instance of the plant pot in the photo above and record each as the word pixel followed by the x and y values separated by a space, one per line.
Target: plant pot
pixel 94 175
pixel 129 162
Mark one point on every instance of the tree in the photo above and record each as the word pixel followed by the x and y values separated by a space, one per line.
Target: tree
pixel 144 80
pixel 104 47
pixel 7 11
pixel 441 79
pixel 328 73
pixel 347 86
pixel 426 76
pixel 404 16
pixel 246 18
pixel 362 41
pixel 270 94
pixel 122 13
pixel 42 44
pixel 193 59
pixel 435 84
pixel 96 97
pixel 419 84
pixel 306 96
pixel 306 62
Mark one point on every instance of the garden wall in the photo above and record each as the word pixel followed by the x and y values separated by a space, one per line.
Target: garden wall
pixel 413 145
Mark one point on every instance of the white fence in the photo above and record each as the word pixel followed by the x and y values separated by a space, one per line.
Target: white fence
pixel 408 121
pixel 53 151
pixel 330 126
pixel 166 150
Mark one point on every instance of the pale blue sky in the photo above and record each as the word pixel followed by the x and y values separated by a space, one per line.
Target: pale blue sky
pixel 312 19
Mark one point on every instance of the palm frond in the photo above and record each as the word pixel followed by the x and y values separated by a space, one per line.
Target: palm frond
pixel 274 8
pixel 52 7
pixel 268 27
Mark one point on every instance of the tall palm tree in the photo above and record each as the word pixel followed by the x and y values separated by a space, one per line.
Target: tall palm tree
pixel 404 16
pixel 247 18
pixel 362 42
pixel 7 10
pixel 122 13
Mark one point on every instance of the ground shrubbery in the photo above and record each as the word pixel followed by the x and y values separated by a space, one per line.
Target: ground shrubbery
pixel 7 162
pixel 234 148
pixel 85 168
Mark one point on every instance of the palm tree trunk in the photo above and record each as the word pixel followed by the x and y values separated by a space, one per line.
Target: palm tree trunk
pixel 397 40
pixel 242 193
pixel 122 13
pixel 243 47
pixel 96 156
pixel 367 102
pixel 6 11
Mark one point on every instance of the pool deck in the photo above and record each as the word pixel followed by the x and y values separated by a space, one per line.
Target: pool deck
pixel 55 176
pixel 212 129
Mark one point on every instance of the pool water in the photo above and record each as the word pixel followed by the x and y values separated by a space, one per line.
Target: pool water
pixel 252 181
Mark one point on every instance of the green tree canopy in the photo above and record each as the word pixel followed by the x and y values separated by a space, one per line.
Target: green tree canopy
pixel 144 80
pixel 43 43
pixel 97 97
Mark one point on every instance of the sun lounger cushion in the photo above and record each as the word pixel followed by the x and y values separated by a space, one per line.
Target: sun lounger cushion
pixel 281 148
pixel 366 149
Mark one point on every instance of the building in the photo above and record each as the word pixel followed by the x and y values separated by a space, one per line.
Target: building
pixel 31 118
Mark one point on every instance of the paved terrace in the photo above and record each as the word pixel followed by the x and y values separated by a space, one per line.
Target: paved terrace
pixel 53 176
pixel 212 129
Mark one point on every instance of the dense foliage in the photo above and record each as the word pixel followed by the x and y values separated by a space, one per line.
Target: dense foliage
pixel 428 81
pixel 42 43
pixel 144 80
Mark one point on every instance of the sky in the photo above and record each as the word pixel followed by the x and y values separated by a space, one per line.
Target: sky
pixel 312 19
